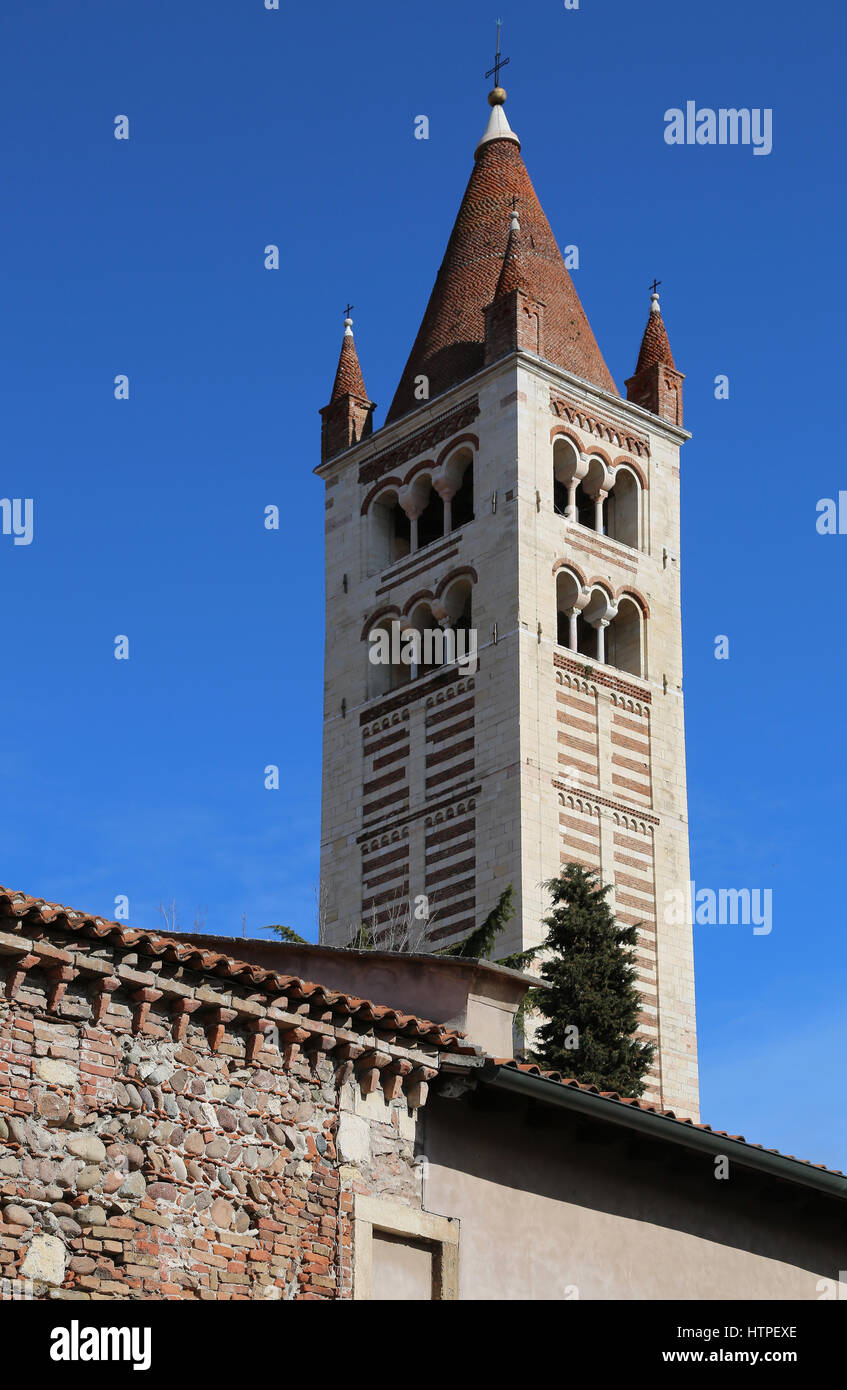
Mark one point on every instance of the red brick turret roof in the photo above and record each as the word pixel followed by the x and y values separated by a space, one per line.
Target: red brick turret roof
pixel 348 378
pixel 450 342
pixel 513 269
pixel 655 347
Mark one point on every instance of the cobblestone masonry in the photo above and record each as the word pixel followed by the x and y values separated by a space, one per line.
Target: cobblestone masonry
pixel 162 1137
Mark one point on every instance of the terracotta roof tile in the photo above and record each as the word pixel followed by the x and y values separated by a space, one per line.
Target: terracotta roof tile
pixel 19 906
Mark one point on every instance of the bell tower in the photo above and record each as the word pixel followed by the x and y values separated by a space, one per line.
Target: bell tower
pixel 515 505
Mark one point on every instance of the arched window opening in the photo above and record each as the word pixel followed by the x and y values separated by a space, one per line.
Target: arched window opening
pixel 461 507
pixel 458 602
pixel 431 520
pixel 586 509
pixel 384 675
pixel 586 637
pixel 624 643
pixel 569 599
pixel 622 509
pixel 456 611
pixel 379 677
pixel 401 533
pixel 390 532
pixel 588 493
pixel 565 461
pixel 592 631
pixel 422 621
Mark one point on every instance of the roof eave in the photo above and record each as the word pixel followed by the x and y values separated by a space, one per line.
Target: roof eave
pixel 389 431
pixel 648 1124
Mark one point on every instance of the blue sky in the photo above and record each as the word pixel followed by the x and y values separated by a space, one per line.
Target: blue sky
pixel 145 257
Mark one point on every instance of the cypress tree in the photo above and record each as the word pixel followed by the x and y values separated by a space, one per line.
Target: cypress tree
pixel 588 992
pixel 479 943
pixel 288 935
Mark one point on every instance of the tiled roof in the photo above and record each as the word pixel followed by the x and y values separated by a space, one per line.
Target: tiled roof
pixel 449 346
pixel 530 1069
pixel 19 906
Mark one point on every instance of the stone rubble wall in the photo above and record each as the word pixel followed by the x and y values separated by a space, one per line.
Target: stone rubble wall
pixel 133 1165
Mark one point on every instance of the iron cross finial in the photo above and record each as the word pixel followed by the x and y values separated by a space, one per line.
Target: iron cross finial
pixel 348 311
pixel 655 286
pixel 499 62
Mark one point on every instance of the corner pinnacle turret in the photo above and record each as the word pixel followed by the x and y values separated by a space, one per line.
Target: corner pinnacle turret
pixel 348 377
pixel 654 345
pixel 512 275
pixel 656 384
pixel 349 415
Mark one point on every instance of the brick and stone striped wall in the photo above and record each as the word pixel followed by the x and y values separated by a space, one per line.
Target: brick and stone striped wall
pixel 385 755
pixel 450 849
pixel 630 734
pixel 577 736
pixel 418 808
pixel 606 832
pixel 385 876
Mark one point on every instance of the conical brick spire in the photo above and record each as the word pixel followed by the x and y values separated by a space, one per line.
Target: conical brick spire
pixel 657 385
pixel 348 378
pixel 513 275
pixel 450 343
pixel 514 320
pixel 349 415
pixel 655 347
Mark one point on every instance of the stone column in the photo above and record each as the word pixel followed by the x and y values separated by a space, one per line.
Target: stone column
pixel 570 509
pixel 446 490
pixel 573 483
pixel 413 507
